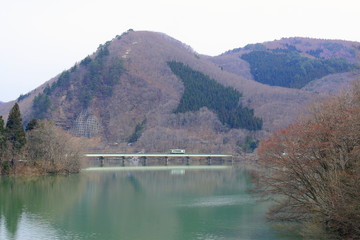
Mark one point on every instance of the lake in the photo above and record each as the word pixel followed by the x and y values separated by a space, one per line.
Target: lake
pixel 181 203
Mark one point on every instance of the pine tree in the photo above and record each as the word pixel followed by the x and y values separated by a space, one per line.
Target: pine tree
pixel 2 138
pixel 203 91
pixel 32 125
pixel 2 130
pixel 14 129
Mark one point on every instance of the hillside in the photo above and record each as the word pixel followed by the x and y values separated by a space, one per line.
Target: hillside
pixel 127 96
pixel 296 63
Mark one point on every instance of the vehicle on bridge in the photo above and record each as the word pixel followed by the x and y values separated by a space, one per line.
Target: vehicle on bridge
pixel 177 151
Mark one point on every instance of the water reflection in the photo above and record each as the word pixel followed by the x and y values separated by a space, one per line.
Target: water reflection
pixel 196 204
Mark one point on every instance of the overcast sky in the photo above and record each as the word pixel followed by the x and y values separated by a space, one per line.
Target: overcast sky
pixel 41 38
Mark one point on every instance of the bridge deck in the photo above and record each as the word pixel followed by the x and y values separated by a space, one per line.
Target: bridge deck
pixel 154 155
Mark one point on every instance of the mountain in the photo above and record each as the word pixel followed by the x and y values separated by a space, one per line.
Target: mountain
pixel 147 91
pixel 311 64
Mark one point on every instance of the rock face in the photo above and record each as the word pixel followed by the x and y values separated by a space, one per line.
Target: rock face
pixel 86 125
pixel 126 90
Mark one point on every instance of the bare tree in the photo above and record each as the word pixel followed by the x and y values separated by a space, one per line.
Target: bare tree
pixel 314 165
pixel 53 150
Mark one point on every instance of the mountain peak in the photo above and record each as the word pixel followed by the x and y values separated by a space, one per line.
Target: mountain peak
pixel 126 94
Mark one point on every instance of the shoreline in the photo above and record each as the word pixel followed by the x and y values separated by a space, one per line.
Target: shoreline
pixel 154 168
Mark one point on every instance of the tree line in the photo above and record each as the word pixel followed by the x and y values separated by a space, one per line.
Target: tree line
pixel 202 91
pixel 39 148
pixel 313 165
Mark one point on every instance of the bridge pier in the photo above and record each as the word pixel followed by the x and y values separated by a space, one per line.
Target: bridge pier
pixel 123 161
pixel 208 160
pixel 187 161
pixel 166 161
pixel 101 159
pixel 144 161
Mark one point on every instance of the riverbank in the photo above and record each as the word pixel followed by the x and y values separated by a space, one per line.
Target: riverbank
pixel 155 168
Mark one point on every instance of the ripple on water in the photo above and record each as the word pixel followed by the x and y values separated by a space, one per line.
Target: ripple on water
pixel 219 201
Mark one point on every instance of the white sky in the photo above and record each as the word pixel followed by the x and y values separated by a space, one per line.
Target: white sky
pixel 41 38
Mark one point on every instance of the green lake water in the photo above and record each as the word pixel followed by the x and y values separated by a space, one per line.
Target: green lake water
pixel 131 203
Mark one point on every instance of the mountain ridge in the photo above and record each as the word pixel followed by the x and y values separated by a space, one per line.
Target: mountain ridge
pixel 307 50
pixel 143 99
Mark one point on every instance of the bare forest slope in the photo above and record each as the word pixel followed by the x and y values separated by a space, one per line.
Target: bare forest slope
pixel 125 95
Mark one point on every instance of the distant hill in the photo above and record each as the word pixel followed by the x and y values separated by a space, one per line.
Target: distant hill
pixel 128 97
pixel 295 63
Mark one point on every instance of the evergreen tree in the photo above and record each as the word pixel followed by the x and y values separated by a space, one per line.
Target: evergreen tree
pixel 32 125
pixel 41 104
pixel 2 130
pixel 3 165
pixel 287 68
pixel 203 91
pixel 2 138
pixel 14 129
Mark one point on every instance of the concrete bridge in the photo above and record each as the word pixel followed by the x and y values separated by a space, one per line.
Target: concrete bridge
pixel 145 156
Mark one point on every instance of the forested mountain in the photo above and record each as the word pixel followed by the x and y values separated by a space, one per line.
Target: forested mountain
pixel 148 91
pixel 296 63
pixel 287 68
